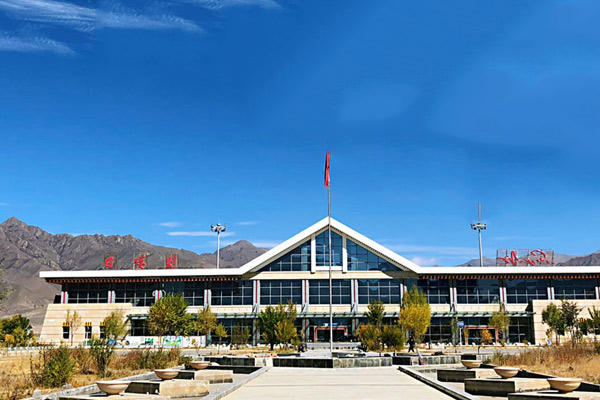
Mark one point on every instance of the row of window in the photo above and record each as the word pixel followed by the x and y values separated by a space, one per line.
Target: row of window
pixel 226 293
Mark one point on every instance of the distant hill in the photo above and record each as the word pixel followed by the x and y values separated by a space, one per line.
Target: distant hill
pixel 26 250
pixel 559 259
pixel 590 259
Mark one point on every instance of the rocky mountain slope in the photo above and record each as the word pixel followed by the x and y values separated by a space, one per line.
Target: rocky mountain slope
pixel 26 250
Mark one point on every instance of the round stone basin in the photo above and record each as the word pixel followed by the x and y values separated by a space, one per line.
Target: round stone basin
pixel 471 363
pixel 506 372
pixel 564 385
pixel 199 364
pixel 166 374
pixel 112 387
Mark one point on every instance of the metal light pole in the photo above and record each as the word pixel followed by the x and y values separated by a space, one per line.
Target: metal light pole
pixel 218 228
pixel 478 226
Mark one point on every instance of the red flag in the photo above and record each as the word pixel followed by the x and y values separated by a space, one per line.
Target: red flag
pixel 327 169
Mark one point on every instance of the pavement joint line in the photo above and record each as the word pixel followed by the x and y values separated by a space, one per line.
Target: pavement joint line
pixel 236 385
pixel 449 390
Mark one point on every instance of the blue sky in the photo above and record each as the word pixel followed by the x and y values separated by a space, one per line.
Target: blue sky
pixel 155 118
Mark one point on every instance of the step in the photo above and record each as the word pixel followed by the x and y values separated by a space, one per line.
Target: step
pixel 460 374
pixel 502 387
pixel 212 376
pixel 172 388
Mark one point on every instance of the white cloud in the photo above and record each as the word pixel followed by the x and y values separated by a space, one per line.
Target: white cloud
pixel 266 243
pixel 199 233
pixel 171 224
pixel 50 11
pixel 247 223
pixel 220 4
pixel 10 42
pixel 425 261
pixel 129 19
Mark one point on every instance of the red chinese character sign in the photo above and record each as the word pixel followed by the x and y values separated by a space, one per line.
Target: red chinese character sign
pixel 110 261
pixel 171 261
pixel 141 260
pixel 524 257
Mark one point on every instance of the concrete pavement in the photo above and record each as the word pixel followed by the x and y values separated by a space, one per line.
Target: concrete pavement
pixel 339 384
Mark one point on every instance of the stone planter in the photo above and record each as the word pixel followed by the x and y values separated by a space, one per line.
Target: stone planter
pixel 113 387
pixel 199 364
pixel 166 374
pixel 506 372
pixel 564 385
pixel 471 363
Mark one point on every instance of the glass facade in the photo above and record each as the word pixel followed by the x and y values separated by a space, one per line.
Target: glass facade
pixel 360 259
pixel 87 293
pixel 193 292
pixel 385 290
pixel 439 331
pixel 280 292
pixel 139 327
pixel 231 293
pixel 319 291
pixel 140 294
pixel 322 249
pixel 522 291
pixel 477 291
pixel 520 329
pixel 296 260
pixel 437 290
pixel 574 289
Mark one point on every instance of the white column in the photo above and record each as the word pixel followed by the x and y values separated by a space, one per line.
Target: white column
pixel 111 297
pixel 313 254
pixel 305 300
pixel 597 289
pixel 550 289
pixel 256 296
pixel 453 298
pixel 207 295
pixel 353 295
pixel 64 297
pixel 344 255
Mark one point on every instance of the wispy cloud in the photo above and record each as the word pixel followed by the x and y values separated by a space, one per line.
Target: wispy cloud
pixel 120 18
pixel 247 223
pixel 49 11
pixel 171 224
pixel 10 42
pixel 199 233
pixel 220 4
pixel 425 261
pixel 266 243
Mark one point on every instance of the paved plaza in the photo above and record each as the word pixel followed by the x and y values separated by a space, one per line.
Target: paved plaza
pixel 343 383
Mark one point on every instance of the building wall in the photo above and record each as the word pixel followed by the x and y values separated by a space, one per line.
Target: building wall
pixel 539 328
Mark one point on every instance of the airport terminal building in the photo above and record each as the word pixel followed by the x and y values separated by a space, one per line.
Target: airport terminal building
pixel 297 270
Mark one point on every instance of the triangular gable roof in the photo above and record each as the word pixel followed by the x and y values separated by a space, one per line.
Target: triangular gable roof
pixel 298 239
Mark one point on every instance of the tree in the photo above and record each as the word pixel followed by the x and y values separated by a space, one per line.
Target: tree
pixel 500 321
pixel 594 320
pixel 375 313
pixel 454 329
pixel 206 322
pixel 486 337
pixel 415 313
pixel 370 337
pixel 392 336
pixel 221 332
pixel 570 311
pixel 103 349
pixel 169 316
pixel 19 328
pixel 115 326
pixel 285 331
pixel 240 335
pixel 268 319
pixel 73 321
pixel 552 317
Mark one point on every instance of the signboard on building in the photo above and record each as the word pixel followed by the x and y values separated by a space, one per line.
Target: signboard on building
pixel 140 261
pixel 524 257
pixel 171 261
pixel 110 261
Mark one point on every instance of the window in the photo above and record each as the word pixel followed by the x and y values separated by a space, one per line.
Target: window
pixel 88 332
pixel 280 292
pixel 385 290
pixel 140 294
pixel 192 291
pixel 319 291
pixel 87 293
pixel 439 331
pixel 322 249
pixel 296 260
pixel 231 293
pixel 519 330
pixel 139 327
pixel 477 291
pixel 522 291
pixel 437 290
pixel 102 333
pixel 66 333
pixel 360 259
pixel 576 289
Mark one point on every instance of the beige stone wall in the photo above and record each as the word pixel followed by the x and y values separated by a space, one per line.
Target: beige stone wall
pixel 94 313
pixel 538 306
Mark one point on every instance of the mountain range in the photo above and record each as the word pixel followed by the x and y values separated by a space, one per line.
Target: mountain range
pixel 25 250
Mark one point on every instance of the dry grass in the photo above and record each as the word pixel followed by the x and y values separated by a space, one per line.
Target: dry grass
pixel 581 361
pixel 16 382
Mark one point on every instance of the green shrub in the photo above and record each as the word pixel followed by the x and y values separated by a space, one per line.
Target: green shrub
pixel 54 368
pixel 84 361
pixel 393 337
pixel 102 353
pixel 148 359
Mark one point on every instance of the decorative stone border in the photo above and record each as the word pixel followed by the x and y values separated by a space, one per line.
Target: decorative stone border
pixel 236 385
pixel 447 389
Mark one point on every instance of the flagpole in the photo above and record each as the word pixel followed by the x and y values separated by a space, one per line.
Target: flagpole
pixel 330 280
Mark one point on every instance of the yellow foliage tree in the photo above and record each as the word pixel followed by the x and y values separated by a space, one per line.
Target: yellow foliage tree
pixel 415 314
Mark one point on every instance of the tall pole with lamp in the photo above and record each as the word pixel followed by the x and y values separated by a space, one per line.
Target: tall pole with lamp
pixel 218 228
pixel 479 226
pixel 328 186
